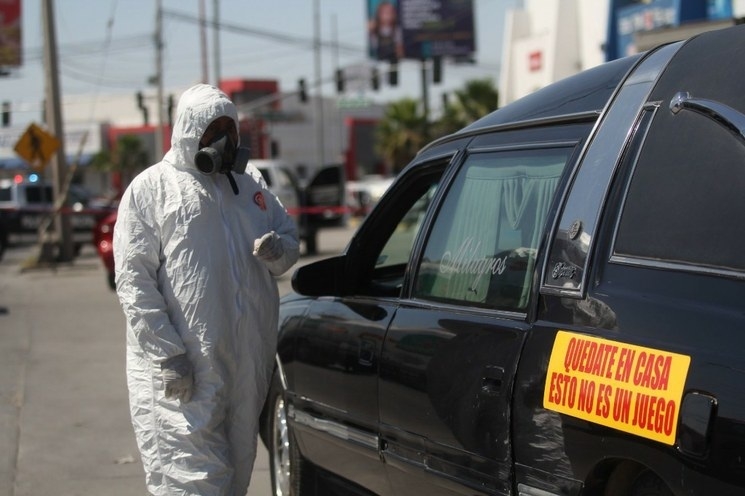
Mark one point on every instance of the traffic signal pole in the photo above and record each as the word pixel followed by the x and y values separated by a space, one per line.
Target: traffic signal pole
pixel 159 79
pixel 319 118
pixel 425 98
pixel 62 230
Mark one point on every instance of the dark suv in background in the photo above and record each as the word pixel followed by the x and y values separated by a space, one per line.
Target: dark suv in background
pixel 548 302
pixel 315 205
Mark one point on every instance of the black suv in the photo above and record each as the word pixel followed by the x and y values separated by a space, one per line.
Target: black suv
pixel 548 302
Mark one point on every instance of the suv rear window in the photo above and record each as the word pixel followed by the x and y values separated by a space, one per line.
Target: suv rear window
pixel 685 195
pixel 37 195
pixel 482 249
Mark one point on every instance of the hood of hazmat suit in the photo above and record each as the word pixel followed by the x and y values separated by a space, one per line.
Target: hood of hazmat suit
pixel 189 283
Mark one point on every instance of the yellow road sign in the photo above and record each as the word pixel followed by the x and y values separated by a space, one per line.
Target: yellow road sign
pixel 36 146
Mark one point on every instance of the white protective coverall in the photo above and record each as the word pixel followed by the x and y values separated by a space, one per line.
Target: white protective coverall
pixel 188 283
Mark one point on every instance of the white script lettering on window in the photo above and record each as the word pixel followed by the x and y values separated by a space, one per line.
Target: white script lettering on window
pixel 467 260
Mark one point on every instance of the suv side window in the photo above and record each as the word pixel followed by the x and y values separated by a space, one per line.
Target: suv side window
pixel 482 247
pixel 686 189
pixel 385 241
pixel 398 247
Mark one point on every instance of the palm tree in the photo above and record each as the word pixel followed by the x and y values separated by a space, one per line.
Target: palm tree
pixel 128 158
pixel 478 98
pixel 401 133
pixel 404 130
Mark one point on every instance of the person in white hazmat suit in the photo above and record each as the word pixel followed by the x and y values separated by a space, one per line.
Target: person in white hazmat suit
pixel 196 246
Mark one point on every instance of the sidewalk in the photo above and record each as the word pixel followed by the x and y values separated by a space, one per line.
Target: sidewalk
pixel 64 418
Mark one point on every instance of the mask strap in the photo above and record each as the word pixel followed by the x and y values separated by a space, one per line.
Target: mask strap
pixel 232 182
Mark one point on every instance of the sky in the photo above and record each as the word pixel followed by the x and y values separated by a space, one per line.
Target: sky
pixel 107 47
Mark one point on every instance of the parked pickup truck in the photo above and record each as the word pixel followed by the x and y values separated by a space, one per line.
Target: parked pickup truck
pixel 550 302
pixel 26 205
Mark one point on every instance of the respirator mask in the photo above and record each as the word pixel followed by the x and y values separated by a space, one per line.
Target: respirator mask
pixel 221 155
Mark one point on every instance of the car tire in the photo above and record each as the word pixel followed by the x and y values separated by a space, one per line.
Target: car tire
pixel 3 243
pixel 291 474
pixel 111 278
pixel 311 243
pixel 649 484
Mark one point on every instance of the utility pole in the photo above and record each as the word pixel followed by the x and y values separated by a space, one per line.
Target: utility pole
pixel 335 37
pixel 203 42
pixel 159 78
pixel 320 124
pixel 216 39
pixel 62 231
pixel 425 97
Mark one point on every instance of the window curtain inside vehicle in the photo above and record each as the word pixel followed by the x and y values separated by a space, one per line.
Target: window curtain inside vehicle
pixel 485 251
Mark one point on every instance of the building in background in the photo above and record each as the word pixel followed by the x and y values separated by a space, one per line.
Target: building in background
pixel 272 123
pixel 636 26
pixel 545 41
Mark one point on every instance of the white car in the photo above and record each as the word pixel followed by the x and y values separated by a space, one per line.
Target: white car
pixel 315 205
pixel 282 182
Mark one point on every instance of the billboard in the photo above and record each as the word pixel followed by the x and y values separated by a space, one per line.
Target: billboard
pixel 10 33
pixel 628 17
pixel 417 29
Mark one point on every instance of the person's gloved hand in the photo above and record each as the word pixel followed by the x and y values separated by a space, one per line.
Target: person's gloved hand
pixel 178 377
pixel 268 247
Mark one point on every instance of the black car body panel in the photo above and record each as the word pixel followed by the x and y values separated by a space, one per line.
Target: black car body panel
pixel 549 301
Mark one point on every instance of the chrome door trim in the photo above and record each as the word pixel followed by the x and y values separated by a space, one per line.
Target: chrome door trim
pixel 565 269
pixel 335 429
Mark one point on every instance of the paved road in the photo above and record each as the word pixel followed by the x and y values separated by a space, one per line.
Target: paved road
pixel 64 419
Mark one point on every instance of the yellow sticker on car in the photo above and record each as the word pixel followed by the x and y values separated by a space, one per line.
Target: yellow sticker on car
pixel 630 388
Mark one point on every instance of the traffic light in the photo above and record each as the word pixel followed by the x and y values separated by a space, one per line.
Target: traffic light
pixel 375 79
pixel 437 70
pixel 301 91
pixel 170 110
pixel 340 81
pixel 142 107
pixel 6 114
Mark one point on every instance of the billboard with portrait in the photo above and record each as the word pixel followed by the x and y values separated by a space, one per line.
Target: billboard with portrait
pixel 10 33
pixel 417 29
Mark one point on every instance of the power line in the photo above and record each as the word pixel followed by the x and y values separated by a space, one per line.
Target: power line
pixel 94 47
pixel 107 52
pixel 306 43
pixel 98 79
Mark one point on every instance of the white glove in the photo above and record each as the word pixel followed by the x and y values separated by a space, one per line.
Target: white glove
pixel 178 377
pixel 268 247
